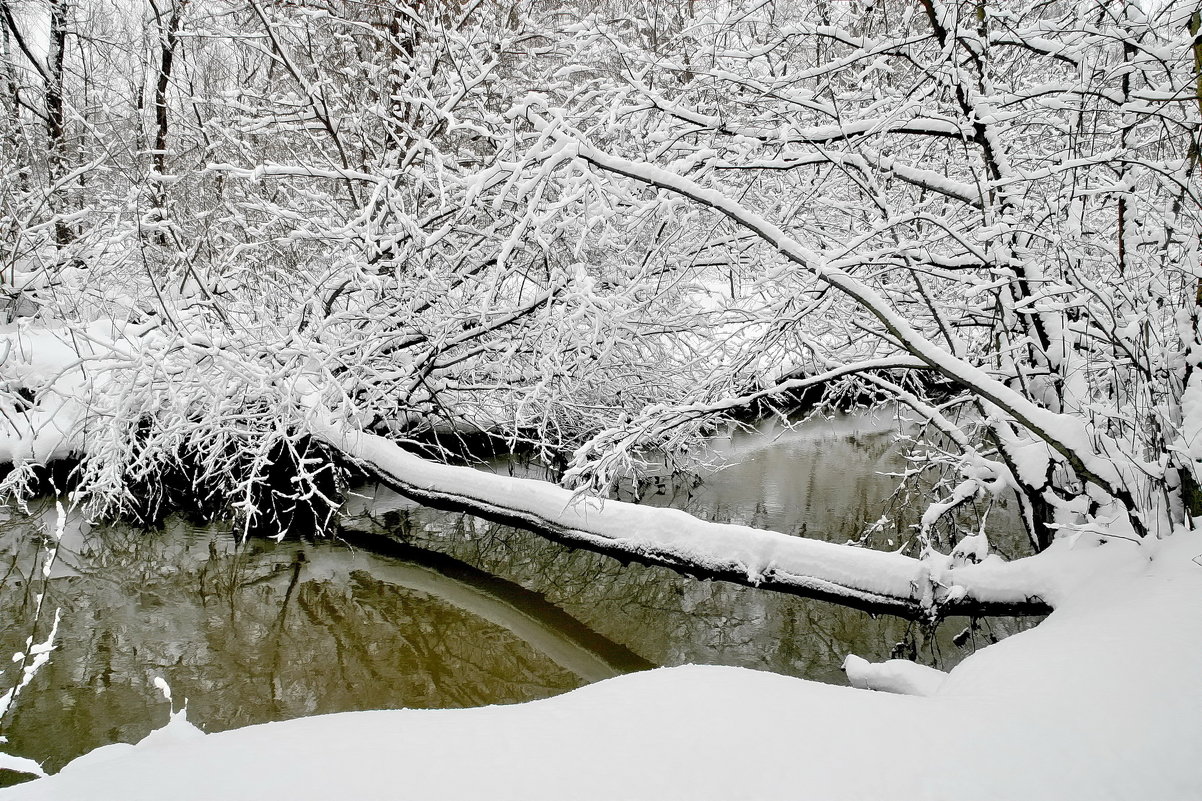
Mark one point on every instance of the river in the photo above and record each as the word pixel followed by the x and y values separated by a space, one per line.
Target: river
pixel 413 607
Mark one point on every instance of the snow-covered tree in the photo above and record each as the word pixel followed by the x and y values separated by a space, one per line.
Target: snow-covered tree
pixel 987 215
pixel 603 231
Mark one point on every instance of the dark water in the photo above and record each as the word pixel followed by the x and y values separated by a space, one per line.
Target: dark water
pixel 411 607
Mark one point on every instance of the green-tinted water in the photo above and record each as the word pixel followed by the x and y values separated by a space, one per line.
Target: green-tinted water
pixel 412 607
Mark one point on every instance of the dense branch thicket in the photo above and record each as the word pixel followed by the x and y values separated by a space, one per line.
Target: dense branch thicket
pixel 600 229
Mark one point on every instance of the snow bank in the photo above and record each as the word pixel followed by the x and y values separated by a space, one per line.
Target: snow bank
pixel 1099 702
pixel 43 362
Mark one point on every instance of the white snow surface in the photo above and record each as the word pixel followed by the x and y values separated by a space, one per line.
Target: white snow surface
pixel 1101 701
pixel 43 361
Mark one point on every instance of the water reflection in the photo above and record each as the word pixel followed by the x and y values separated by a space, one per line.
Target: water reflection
pixel 670 619
pixel 825 478
pixel 415 607
pixel 268 632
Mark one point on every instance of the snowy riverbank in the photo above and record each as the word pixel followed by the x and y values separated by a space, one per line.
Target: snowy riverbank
pixel 1100 701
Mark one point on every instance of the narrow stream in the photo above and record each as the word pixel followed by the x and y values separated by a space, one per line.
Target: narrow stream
pixel 412 607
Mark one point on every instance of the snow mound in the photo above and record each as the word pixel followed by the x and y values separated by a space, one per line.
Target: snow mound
pixel 894 676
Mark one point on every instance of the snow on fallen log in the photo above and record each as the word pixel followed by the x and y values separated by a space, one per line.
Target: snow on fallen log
pixel 876 581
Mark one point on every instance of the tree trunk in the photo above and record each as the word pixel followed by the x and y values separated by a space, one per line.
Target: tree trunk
pixel 169 30
pixel 56 138
pixel 861 578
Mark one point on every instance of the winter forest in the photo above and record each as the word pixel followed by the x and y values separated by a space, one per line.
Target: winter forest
pixel 493 290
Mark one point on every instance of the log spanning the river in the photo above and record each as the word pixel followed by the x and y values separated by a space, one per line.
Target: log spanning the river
pixel 862 578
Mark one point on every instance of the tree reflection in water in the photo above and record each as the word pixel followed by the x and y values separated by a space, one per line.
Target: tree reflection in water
pixel 247 634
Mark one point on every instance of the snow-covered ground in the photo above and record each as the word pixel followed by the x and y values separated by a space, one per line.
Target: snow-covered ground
pixel 1101 701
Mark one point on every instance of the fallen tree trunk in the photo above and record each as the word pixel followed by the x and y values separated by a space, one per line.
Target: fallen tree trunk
pixel 862 578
